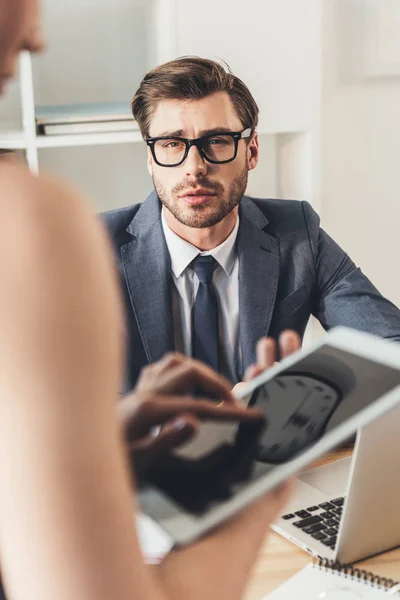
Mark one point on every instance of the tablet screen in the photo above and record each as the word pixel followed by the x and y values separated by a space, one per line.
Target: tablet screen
pixel 299 405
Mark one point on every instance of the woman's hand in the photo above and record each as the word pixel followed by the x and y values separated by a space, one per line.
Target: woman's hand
pixel 163 399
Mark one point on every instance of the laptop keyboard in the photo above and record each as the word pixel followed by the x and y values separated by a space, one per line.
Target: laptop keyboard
pixel 320 521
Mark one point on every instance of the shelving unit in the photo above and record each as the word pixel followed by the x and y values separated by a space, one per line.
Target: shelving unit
pixel 24 138
pixel 30 142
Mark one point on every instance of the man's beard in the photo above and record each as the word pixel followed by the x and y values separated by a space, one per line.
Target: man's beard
pixel 205 215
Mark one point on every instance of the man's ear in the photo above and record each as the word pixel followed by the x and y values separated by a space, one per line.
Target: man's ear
pixel 252 152
pixel 149 162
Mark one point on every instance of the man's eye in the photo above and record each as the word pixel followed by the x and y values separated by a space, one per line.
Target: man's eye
pixel 216 141
pixel 171 144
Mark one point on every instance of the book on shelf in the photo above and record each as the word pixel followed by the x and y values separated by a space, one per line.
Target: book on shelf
pixel 90 127
pixel 332 581
pixel 84 118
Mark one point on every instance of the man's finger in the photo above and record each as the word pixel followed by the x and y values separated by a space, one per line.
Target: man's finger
pixel 266 353
pixel 251 372
pixel 289 342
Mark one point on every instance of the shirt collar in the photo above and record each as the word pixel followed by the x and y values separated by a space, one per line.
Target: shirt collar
pixel 182 252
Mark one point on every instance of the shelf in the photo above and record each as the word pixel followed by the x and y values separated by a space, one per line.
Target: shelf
pixel 87 139
pixel 13 140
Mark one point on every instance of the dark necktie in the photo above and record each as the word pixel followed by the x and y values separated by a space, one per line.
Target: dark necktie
pixel 205 314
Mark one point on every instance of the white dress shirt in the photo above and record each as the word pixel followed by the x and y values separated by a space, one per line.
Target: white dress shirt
pixel 226 285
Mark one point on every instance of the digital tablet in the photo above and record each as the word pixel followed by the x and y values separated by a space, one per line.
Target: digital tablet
pixel 312 401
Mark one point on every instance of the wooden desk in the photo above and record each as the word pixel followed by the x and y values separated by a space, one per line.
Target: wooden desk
pixel 280 559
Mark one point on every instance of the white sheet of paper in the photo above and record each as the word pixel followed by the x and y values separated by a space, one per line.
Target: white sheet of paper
pixel 315 583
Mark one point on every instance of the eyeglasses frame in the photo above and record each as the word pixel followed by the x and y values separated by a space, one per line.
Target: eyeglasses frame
pixel 236 135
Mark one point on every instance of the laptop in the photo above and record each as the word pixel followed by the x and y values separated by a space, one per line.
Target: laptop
pixel 350 509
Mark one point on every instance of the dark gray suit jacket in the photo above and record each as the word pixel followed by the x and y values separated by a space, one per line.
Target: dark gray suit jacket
pixel 289 268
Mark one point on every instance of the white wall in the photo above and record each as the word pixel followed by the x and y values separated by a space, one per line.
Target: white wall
pixel 270 44
pixel 360 159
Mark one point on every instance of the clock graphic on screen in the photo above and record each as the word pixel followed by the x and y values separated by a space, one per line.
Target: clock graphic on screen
pixel 297 407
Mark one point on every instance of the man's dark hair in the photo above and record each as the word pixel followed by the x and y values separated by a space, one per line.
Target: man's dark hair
pixel 191 78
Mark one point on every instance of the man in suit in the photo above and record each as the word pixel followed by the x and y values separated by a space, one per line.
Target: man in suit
pixel 206 270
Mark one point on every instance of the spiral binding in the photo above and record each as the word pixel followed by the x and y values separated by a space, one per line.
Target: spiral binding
pixel 359 574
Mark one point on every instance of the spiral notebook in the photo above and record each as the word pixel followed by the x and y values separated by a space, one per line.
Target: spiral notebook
pixel 327 580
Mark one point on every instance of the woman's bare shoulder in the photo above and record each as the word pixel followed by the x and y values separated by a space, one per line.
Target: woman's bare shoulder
pixel 48 227
pixel 54 252
pixel 21 188
pixel 43 207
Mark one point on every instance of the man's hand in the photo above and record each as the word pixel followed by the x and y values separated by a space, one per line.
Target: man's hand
pixel 163 398
pixel 289 342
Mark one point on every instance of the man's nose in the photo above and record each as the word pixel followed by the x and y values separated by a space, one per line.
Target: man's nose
pixel 195 164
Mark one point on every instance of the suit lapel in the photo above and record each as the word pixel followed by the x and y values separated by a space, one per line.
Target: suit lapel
pixel 259 263
pixel 147 268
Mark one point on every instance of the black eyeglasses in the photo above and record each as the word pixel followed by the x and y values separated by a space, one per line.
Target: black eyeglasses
pixel 217 148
